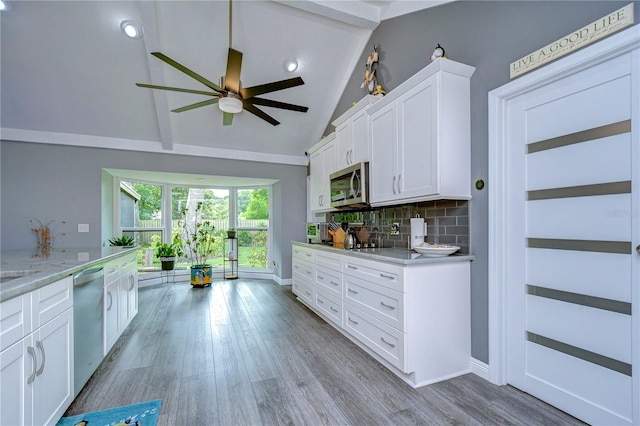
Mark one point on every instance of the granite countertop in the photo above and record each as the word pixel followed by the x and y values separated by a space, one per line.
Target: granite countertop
pixel 395 255
pixel 22 272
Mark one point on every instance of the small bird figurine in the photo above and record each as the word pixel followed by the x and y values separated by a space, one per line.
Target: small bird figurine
pixel 379 91
pixel 438 53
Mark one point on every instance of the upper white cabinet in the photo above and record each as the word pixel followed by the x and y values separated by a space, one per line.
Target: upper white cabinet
pixel 322 163
pixel 352 134
pixel 420 137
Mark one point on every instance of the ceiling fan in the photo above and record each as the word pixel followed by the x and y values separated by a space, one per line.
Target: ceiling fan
pixel 229 95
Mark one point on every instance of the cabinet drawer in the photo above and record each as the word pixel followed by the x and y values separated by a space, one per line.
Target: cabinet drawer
pixel 381 338
pixel 384 274
pixel 330 280
pixel 304 269
pixel 128 261
pixel 380 302
pixel 330 306
pixel 303 253
pixel 52 300
pixel 15 320
pixel 304 291
pixel 329 260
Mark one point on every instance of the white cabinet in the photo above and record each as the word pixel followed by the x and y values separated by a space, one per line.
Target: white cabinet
pixel 414 318
pixel 328 285
pixel 128 305
pixel 36 370
pixel 322 164
pixel 303 274
pixel 420 137
pixel 120 298
pixel 352 134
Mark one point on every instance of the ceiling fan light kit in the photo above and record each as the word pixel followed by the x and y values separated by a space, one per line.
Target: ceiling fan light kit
pixel 230 96
pixel 230 103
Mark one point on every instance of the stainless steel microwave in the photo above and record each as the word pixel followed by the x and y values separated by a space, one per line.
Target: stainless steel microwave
pixel 350 186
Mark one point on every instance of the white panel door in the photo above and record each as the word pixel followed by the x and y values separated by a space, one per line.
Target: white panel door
pixel 573 219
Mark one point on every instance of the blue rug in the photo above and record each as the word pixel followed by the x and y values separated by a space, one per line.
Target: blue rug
pixel 141 414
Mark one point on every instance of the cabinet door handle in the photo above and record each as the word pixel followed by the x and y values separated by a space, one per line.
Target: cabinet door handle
pixel 390 344
pixel 355 322
pixel 333 309
pixel 333 282
pixel 320 300
pixel 393 185
pixel 131 282
pixel 387 276
pixel 32 352
pixel 399 188
pixel 110 301
pixel 351 267
pixel 40 346
pixel 346 157
pixel 352 291
pixel 320 277
pixel 387 306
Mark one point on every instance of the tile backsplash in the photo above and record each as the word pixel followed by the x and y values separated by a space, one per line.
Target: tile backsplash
pixel 447 222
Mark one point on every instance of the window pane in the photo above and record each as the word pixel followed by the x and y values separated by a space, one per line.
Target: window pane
pixel 146 240
pixel 253 208
pixel 252 249
pixel 140 205
pixel 215 209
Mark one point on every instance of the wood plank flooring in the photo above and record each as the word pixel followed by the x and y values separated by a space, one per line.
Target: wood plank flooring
pixel 245 352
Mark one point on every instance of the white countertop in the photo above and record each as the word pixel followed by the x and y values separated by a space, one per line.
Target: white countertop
pixel 396 255
pixel 35 272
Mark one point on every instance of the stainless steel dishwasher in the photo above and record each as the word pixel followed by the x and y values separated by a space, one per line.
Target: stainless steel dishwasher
pixel 87 319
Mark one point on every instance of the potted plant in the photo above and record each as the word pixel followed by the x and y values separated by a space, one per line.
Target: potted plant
pixel 167 254
pixel 231 233
pixel 198 240
pixel 124 241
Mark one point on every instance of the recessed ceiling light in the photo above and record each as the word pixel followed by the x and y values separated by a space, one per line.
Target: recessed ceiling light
pixel 290 65
pixel 131 29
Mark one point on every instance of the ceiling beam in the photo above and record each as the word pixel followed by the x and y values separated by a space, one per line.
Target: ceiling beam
pixel 356 13
pixel 151 40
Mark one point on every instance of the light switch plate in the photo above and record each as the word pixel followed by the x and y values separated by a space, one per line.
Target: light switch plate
pixel 83 227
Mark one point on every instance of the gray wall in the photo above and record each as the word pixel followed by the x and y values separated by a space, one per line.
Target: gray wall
pixel 489 36
pixel 67 183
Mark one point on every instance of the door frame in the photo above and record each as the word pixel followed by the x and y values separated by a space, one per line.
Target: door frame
pixel 499 256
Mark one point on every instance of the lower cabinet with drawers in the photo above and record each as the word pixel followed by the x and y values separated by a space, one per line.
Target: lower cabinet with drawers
pixel 36 355
pixel 414 318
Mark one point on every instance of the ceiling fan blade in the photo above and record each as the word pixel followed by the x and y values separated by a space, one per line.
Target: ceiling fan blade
pixel 259 113
pixel 227 118
pixel 196 105
pixel 276 104
pixel 177 89
pixel 250 92
pixel 232 77
pixel 187 71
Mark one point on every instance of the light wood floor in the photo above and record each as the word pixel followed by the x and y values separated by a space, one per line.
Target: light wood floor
pixel 246 352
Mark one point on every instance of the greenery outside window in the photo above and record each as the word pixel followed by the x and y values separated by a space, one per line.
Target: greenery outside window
pixel 152 212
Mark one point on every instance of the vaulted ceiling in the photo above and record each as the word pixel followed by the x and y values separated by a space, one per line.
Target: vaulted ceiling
pixel 68 72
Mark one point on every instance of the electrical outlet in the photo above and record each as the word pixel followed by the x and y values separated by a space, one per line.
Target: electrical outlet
pixel 83 227
pixel 274 263
pixel 83 256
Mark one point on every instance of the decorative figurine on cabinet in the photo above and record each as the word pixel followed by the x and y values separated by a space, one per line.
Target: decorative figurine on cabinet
pixel 438 53
pixel 370 79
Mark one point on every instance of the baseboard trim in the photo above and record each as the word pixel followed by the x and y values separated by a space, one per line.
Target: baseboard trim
pixel 480 368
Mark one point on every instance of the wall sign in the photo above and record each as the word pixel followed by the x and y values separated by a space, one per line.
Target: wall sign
pixel 596 30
